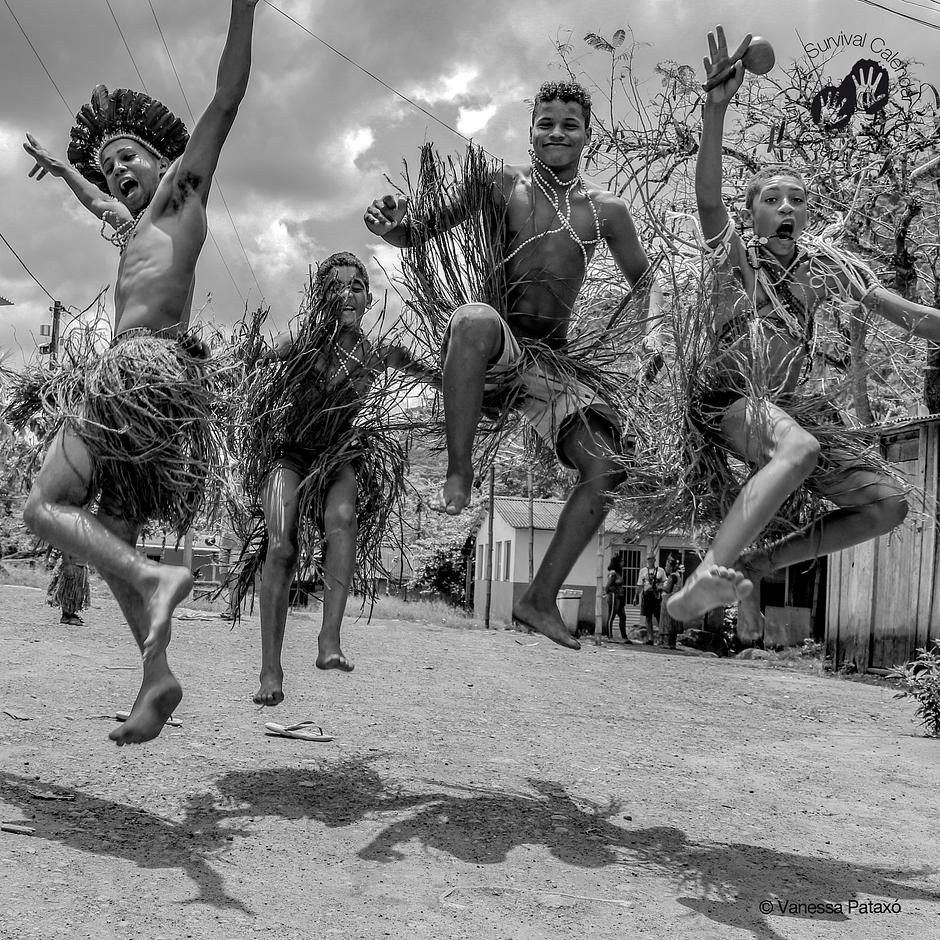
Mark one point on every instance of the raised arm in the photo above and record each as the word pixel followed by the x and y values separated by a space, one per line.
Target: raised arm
pixel 90 196
pixel 919 319
pixel 724 74
pixel 197 164
pixel 397 357
pixel 388 216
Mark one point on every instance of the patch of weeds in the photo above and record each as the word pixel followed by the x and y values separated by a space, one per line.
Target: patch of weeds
pixel 920 680
pixel 812 650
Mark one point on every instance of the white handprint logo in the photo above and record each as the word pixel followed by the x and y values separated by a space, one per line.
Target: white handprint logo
pixel 870 81
pixel 865 88
pixel 831 109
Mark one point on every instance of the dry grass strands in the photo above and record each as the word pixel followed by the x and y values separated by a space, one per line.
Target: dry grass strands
pixel 325 408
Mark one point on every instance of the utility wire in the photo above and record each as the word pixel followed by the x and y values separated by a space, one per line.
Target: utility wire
pixel 924 6
pixel 25 267
pixel 68 107
pixel 143 84
pixel 381 81
pixel 905 16
pixel 192 119
pixel 218 185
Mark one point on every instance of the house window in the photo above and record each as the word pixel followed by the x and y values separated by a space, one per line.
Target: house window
pixel 481 548
pixel 499 559
pixel 507 557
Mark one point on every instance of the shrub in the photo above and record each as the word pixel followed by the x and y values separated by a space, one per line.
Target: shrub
pixel 920 680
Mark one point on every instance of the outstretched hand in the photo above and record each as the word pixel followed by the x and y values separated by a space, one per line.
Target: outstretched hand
pixel 45 161
pixel 723 72
pixel 385 214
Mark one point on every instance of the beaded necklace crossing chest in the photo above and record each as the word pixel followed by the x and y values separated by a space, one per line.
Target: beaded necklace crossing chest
pixel 122 233
pixel 558 195
pixel 776 282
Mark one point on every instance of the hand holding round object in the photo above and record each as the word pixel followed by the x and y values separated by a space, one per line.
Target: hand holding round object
pixel 759 57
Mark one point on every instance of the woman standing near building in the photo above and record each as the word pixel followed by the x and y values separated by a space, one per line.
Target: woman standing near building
pixel 616 591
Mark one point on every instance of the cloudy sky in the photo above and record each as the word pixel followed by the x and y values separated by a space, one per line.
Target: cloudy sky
pixel 316 135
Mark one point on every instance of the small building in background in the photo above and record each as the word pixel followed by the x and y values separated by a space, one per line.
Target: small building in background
pixel 514 533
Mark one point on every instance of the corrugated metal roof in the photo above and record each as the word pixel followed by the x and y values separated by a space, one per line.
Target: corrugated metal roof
pixel 901 424
pixel 514 511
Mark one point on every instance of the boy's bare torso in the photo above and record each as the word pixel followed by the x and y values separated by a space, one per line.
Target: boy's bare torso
pixel 346 367
pixel 155 279
pixel 546 275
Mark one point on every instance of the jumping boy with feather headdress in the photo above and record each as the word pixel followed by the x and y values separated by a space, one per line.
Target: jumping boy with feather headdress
pixel 140 437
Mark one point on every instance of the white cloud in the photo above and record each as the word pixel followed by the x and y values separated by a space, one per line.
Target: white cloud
pixel 383 261
pixel 471 120
pixel 279 253
pixel 353 144
pixel 12 158
pixel 446 87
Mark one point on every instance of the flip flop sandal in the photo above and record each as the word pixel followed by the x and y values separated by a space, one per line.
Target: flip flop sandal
pixel 302 730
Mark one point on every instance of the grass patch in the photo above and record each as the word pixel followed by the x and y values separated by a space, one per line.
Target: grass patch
pixel 390 607
pixel 387 607
pixel 25 575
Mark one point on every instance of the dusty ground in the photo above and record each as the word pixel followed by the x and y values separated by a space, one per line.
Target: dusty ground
pixel 481 785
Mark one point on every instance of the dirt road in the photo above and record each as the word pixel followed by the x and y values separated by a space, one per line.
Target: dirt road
pixel 481 785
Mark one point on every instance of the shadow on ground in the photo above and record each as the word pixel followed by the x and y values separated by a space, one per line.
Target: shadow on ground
pixel 723 882
pixel 103 827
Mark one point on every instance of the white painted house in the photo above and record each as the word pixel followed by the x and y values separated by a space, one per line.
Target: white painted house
pixel 514 532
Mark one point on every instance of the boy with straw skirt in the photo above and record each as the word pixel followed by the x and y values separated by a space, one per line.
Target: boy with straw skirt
pixel 322 461
pixel 494 258
pixel 136 424
pixel 752 401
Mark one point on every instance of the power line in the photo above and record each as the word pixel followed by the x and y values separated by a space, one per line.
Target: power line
pixel 218 184
pixel 68 107
pixel 905 16
pixel 192 117
pixel 143 84
pixel 381 81
pixel 25 267
pixel 241 296
pixel 924 6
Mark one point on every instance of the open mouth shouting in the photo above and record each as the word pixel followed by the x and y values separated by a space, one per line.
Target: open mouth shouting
pixel 786 229
pixel 128 187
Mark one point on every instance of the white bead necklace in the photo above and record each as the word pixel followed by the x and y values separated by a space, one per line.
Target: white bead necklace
pixel 122 233
pixel 560 200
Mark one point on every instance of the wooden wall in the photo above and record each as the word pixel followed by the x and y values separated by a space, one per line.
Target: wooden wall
pixel 882 598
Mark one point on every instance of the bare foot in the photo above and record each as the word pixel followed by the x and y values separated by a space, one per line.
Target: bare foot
pixel 708 588
pixel 455 493
pixel 750 619
pixel 334 661
pixel 171 584
pixel 548 622
pixel 271 691
pixel 157 699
